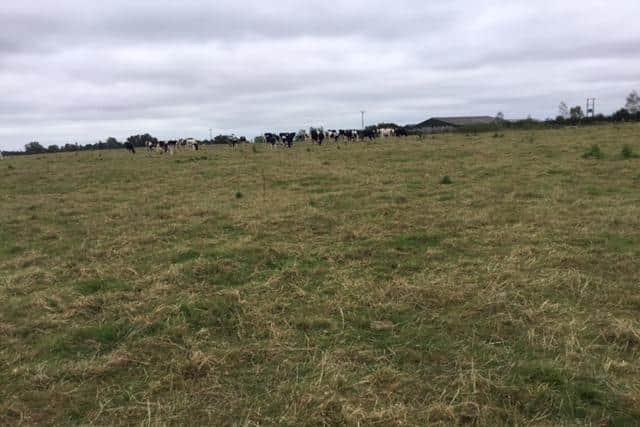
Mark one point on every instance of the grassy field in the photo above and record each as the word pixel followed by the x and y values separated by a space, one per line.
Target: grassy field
pixel 346 285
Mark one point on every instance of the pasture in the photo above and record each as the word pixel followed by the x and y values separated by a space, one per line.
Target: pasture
pixel 341 285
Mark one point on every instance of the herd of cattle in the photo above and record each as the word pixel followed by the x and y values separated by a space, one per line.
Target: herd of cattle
pixel 167 146
pixel 318 136
pixel 283 139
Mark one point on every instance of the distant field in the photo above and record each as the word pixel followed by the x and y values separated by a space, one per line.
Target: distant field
pixel 325 286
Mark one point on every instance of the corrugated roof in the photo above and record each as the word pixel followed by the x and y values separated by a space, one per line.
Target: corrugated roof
pixel 465 121
pixel 459 121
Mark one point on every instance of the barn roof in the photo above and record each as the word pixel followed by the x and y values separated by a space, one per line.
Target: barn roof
pixel 458 121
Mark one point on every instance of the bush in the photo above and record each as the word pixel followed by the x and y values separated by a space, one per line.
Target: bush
pixel 446 180
pixel 593 153
pixel 627 152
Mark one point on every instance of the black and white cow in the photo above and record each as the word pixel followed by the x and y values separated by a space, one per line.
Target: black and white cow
pixel 287 138
pixel 233 141
pixel 168 146
pixel 348 134
pixel 317 136
pixel 271 139
pixel 130 148
pixel 333 134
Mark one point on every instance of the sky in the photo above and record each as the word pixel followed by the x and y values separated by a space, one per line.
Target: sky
pixel 83 70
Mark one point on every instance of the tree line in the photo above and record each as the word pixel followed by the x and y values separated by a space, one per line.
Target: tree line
pixel 566 117
pixel 36 147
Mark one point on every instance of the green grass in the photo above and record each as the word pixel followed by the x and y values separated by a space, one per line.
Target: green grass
pixel 324 286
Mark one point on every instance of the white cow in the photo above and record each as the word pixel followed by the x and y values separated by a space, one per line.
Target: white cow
pixel 386 132
pixel 193 143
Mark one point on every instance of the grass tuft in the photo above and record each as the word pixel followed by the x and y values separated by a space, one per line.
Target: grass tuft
pixel 446 180
pixel 627 152
pixel 594 152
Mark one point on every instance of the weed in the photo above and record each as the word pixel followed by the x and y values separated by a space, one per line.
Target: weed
pixel 627 152
pixel 593 153
pixel 99 285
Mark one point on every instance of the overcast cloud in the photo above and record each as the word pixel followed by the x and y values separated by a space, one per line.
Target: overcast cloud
pixel 80 71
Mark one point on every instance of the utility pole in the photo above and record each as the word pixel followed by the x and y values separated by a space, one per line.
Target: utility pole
pixel 362 113
pixel 591 107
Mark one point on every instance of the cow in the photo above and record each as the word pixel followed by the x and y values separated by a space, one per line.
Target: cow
pixel 386 132
pixel 349 135
pixel 287 138
pixel 370 133
pixel 401 132
pixel 271 138
pixel 192 143
pixel 168 146
pixel 233 141
pixel 317 136
pixel 130 148
pixel 333 134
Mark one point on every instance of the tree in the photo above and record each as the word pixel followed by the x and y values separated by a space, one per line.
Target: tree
pixel 563 110
pixel 34 148
pixel 633 102
pixel 112 143
pixel 576 113
pixel 499 117
pixel 222 139
pixel 53 148
pixel 387 125
pixel 622 115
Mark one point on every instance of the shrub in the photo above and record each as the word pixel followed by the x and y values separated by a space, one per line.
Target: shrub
pixel 446 180
pixel 593 153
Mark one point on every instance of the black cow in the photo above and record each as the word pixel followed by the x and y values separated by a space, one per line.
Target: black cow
pixel 371 133
pixel 401 132
pixel 287 138
pixel 130 148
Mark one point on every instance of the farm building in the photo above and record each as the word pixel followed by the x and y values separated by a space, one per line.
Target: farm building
pixel 440 124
